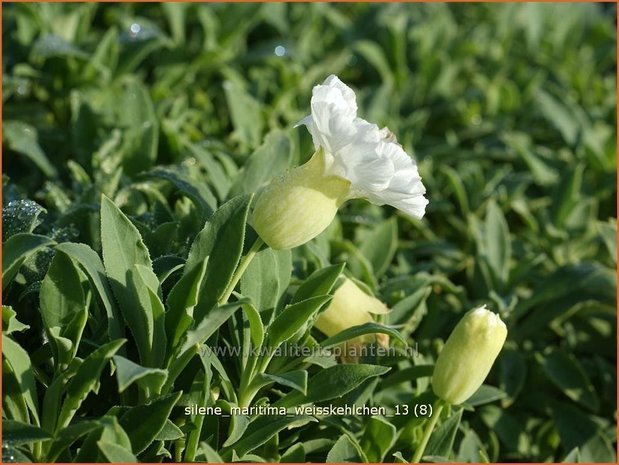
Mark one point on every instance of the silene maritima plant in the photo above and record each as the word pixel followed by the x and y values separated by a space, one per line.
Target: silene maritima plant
pixel 161 343
pixel 212 254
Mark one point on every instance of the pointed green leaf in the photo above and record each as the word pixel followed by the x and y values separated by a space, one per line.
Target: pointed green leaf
pixel 10 323
pixel 221 241
pixel 344 450
pixel 293 318
pixel 17 433
pixel 115 453
pixel 128 372
pixel 63 305
pixel 380 244
pixel 361 330
pixel 296 380
pixel 333 382
pixel 85 380
pixel 144 422
pixel 320 282
pixel 21 365
pixel 16 250
pixel 379 436
pixel 182 299
pixel 267 277
pixel 442 439
pixel 92 265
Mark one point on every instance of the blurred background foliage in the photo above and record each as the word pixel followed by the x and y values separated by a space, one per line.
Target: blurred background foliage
pixel 510 110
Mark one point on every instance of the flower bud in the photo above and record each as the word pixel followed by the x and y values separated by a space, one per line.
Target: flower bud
pixel 297 206
pixel 468 355
pixel 350 307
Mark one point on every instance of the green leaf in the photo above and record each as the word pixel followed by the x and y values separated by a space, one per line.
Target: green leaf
pixel 608 234
pixel 267 277
pixel 17 433
pixel 273 157
pixel 296 380
pixel 575 427
pixel 497 243
pixel 86 380
pixel 361 330
pixel 379 436
pixel 63 306
pixel 255 324
pixel 293 318
pixel 411 310
pixel 145 284
pixel 294 454
pixel 442 439
pixel 509 428
pixel 199 193
pixel 380 244
pixel 123 248
pixel 141 127
pixel 567 374
pixel 320 282
pixel 558 115
pixel 407 375
pixel 16 250
pixel 144 422
pixel 91 264
pixel 128 372
pixel 209 324
pixel 210 454
pixel 182 299
pixel 170 432
pixel 20 216
pixel 122 245
pixel 115 453
pixel 333 382
pixel 216 174
pixel 10 323
pixel 21 365
pixel 239 424
pixel 23 138
pixel 344 450
pixel 245 113
pixel 471 448
pixel 221 241
pixel 573 456
pixel 264 428
pixel 485 394
pixel 513 374
pixel 598 449
pixel 109 431
pixel 67 436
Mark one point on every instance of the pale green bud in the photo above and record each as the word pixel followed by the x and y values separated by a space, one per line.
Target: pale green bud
pixel 349 307
pixel 297 206
pixel 468 355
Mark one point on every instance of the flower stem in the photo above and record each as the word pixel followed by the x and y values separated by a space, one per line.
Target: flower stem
pixel 236 277
pixel 438 408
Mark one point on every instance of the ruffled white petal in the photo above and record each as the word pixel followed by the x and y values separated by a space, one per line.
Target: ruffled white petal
pixel 371 159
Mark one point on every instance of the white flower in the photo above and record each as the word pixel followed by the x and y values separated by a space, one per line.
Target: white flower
pixel 371 159
pixel 353 159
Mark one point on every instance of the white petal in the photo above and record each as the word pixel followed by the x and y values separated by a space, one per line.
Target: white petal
pixel 347 93
pixel 371 159
pixel 405 190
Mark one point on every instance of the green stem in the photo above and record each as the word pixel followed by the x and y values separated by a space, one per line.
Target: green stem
pixel 438 408
pixel 245 261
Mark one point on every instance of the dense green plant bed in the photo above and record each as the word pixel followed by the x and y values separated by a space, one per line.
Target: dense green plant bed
pixel 143 317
